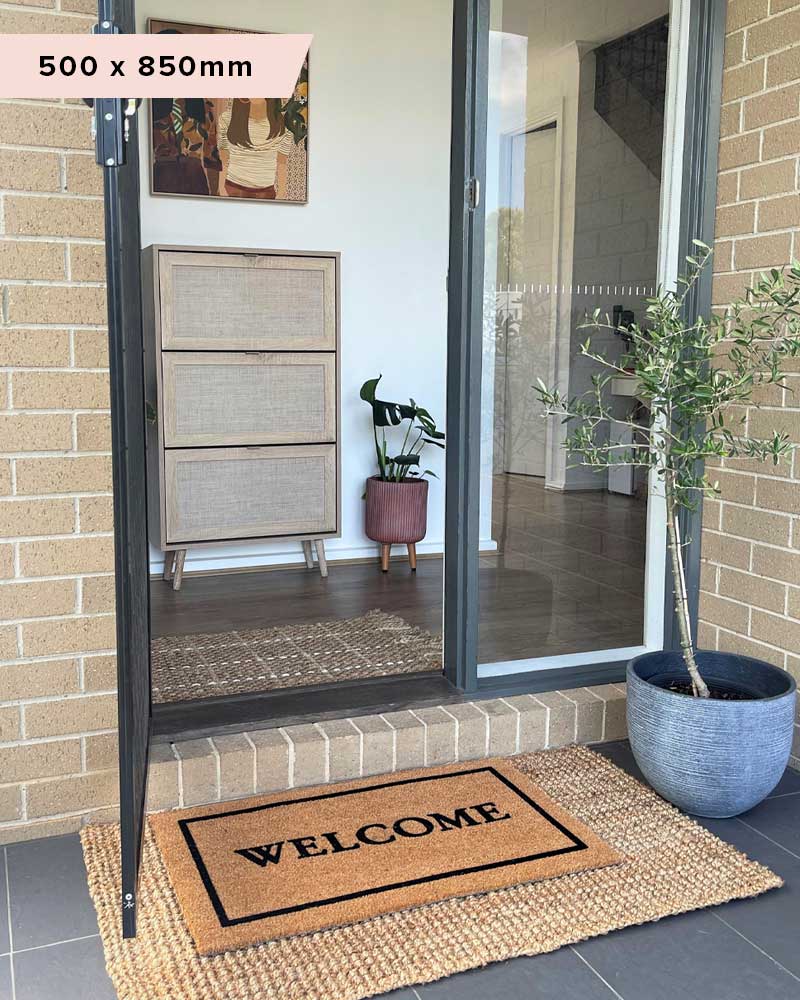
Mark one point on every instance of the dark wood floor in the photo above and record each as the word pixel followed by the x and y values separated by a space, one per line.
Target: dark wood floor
pixel 568 577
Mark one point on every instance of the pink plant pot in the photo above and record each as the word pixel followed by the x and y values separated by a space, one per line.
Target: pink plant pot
pixel 396 512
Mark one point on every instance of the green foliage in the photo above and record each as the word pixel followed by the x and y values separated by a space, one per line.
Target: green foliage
pixel 420 431
pixel 695 379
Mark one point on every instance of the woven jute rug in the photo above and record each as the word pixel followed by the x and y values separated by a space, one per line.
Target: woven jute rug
pixel 279 865
pixel 669 865
pixel 206 665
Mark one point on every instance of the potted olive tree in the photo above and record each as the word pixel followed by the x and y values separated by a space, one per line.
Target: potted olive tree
pixel 397 497
pixel 711 731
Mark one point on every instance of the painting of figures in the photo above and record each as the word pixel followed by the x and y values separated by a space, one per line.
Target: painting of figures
pixel 240 147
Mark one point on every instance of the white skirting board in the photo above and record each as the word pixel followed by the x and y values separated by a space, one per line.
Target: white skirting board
pixel 208 560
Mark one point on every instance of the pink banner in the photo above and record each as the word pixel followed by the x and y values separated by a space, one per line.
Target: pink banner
pixel 150 65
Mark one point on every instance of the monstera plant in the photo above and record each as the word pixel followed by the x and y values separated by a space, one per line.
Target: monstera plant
pixel 416 429
pixel 397 497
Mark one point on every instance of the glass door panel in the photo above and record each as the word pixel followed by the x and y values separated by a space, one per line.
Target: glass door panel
pixel 576 113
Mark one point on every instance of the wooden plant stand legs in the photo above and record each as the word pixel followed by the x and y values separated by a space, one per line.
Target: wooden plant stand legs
pixel 319 546
pixel 173 567
pixel 386 551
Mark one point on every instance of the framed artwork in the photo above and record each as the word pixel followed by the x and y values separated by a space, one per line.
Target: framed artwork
pixel 219 147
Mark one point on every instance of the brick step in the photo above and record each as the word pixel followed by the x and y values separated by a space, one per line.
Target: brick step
pixel 199 772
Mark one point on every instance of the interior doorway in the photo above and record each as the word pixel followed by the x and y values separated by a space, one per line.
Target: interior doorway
pixel 529 256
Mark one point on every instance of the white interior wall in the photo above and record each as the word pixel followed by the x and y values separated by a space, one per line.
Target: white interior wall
pixel 508 58
pixel 379 161
pixel 617 207
pixel 558 37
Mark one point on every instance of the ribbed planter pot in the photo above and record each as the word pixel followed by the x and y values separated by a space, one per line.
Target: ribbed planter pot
pixel 709 757
pixel 397 513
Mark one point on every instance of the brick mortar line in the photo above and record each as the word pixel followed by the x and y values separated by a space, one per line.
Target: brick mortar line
pixel 755 639
pixel 752 574
pixel 34 741
pixel 26 824
pixel 56 239
pixel 66 326
pixel 63 283
pixel 750 605
pixel 75 616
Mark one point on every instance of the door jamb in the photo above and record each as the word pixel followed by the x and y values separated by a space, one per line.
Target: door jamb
pixel 464 341
pixel 131 556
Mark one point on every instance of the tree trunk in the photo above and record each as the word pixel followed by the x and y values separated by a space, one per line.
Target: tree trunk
pixel 679 590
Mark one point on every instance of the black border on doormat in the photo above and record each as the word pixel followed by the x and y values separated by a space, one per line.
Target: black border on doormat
pixel 226 921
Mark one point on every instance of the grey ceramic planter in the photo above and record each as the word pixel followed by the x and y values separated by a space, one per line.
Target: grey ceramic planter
pixel 712 758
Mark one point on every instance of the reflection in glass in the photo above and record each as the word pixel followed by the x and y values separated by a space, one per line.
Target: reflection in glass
pixel 575 133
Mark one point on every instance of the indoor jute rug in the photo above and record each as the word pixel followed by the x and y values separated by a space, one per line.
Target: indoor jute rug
pixel 207 665
pixel 669 865
pixel 302 861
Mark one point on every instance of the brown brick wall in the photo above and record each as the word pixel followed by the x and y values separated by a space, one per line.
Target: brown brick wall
pixel 57 702
pixel 750 599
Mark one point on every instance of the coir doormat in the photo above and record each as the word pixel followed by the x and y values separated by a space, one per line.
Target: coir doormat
pixel 669 865
pixel 287 864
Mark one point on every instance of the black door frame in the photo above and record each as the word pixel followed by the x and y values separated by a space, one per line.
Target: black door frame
pixel 465 320
pixel 120 163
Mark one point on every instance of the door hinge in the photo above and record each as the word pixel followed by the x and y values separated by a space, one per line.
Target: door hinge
pixel 111 119
pixel 473 193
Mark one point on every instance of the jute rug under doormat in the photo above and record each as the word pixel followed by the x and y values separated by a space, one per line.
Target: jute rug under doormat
pixel 206 665
pixel 670 865
pixel 301 861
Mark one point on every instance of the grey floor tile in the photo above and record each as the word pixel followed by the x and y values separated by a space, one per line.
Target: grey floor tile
pixel 771 921
pixel 789 783
pixel 5 945
pixel 560 975
pixel 694 957
pixel 71 971
pixel 620 753
pixel 49 895
pixel 5 978
pixel 778 819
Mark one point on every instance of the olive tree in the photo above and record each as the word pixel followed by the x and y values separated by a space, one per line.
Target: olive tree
pixel 695 377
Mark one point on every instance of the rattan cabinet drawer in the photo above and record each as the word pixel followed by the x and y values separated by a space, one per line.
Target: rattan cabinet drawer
pixel 243 399
pixel 215 494
pixel 241 302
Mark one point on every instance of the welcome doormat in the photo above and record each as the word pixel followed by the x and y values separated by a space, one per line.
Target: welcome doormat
pixel 287 864
pixel 208 665
pixel 669 865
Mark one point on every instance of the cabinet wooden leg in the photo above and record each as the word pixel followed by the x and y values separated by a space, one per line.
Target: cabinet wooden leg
pixel 180 559
pixel 386 551
pixel 308 553
pixel 169 565
pixel 412 556
pixel 319 544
